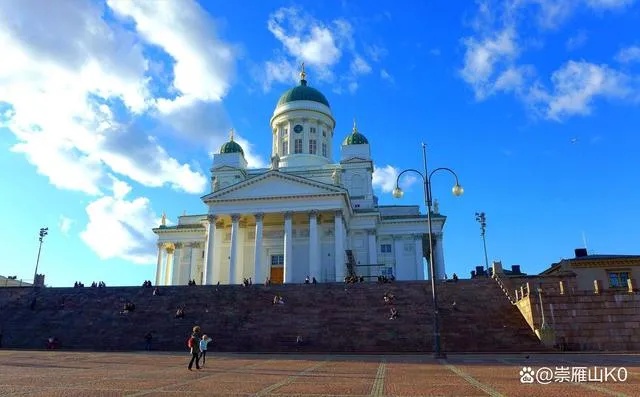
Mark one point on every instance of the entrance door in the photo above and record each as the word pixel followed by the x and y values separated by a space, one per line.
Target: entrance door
pixel 277 269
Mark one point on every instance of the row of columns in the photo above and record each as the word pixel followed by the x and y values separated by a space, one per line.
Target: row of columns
pixel 211 268
pixel 176 262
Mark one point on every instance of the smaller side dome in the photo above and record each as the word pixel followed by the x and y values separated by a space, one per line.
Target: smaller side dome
pixel 355 138
pixel 231 146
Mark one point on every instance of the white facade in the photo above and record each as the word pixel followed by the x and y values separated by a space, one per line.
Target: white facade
pixel 298 217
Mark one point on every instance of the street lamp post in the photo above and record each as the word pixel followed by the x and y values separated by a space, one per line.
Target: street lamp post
pixel 457 191
pixel 43 232
pixel 482 219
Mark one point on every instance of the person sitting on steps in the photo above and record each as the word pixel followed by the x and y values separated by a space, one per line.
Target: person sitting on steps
pixel 180 312
pixel 394 314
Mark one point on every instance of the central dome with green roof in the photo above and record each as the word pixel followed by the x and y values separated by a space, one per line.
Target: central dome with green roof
pixel 303 93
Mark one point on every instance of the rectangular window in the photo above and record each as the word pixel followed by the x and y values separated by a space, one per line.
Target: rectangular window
pixel 277 260
pixel 298 146
pixel 618 279
pixel 385 248
pixel 312 146
pixel 286 132
pixel 324 149
pixel 285 148
pixel 312 130
pixel 324 133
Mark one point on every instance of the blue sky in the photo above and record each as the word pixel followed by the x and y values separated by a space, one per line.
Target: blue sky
pixel 109 113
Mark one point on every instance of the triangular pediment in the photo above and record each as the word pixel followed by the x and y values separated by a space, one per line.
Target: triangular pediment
pixel 274 184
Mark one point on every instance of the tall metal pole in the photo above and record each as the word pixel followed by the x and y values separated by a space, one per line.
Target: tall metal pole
pixel 438 353
pixel 482 219
pixel 43 232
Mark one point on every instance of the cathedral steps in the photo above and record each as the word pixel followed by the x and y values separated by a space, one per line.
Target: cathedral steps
pixel 329 317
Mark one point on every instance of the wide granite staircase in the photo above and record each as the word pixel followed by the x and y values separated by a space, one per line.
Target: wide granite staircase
pixel 329 317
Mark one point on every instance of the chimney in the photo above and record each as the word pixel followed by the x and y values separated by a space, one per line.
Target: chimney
pixel 515 269
pixel 581 252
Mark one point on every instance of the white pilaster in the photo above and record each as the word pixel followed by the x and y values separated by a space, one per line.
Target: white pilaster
pixel 419 257
pixel 438 252
pixel 233 254
pixel 400 271
pixel 208 276
pixel 339 246
pixel 159 265
pixel 259 272
pixel 288 247
pixel 314 245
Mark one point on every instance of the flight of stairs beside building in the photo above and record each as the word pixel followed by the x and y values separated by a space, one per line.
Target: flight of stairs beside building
pixel 329 317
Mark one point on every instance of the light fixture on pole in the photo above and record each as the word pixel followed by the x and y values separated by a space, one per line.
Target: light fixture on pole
pixel 457 190
pixel 43 232
pixel 482 219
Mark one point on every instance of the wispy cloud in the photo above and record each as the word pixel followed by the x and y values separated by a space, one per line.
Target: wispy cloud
pixel 629 54
pixel 64 224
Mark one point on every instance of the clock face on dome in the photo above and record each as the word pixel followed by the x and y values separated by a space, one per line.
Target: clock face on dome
pixel 297 129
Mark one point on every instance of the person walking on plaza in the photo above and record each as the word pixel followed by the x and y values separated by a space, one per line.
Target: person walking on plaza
pixel 194 347
pixel 203 348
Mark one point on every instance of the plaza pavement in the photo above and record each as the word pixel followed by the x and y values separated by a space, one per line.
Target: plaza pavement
pixel 61 373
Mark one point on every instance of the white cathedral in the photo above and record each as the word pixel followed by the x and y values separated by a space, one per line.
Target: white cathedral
pixel 304 216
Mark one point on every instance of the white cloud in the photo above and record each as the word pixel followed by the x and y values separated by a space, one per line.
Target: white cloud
pixel 384 75
pixel 484 56
pixel 604 4
pixel 360 66
pixel 64 224
pixel 204 65
pixel 492 64
pixel 384 178
pixel 576 41
pixel 119 228
pixel 320 45
pixel 61 95
pixel 576 85
pixel 304 37
pixel 629 54
pixel 79 107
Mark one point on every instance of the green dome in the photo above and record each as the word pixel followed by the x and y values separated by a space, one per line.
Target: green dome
pixel 231 147
pixel 355 138
pixel 303 93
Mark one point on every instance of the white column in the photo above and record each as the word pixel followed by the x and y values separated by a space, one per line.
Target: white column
pixel 159 265
pixel 177 263
pixel 438 256
pixel 168 270
pixel 419 257
pixel 259 273
pixel 339 247
pixel 233 254
pixel 288 247
pixel 208 268
pixel 314 246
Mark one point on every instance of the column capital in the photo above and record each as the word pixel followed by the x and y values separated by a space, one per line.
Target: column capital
pixel 212 218
pixel 178 245
pixel 371 231
pixel 338 213
pixel 313 214
pixel 418 236
pixel 160 245
pixel 170 249
pixel 235 217
pixel 259 216
pixel 288 215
